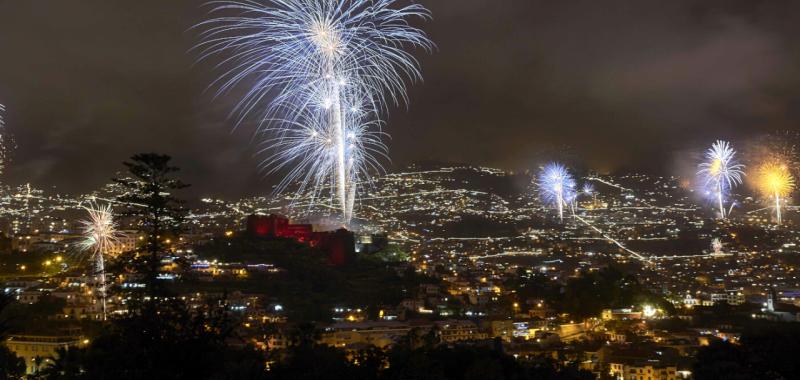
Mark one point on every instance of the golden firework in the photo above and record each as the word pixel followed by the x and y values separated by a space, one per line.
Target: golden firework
pixel 775 180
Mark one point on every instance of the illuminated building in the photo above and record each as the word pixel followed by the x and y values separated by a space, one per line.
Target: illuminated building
pixel 731 297
pixel 620 314
pixel 641 363
pixel 38 351
pixel 378 334
pixel 340 244
pixel 641 371
pixel 272 226
pixel 451 331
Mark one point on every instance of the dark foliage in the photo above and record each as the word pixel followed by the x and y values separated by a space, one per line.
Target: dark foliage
pixel 415 358
pixel 11 367
pixel 151 201
pixel 591 292
pixel 768 351
pixel 308 285
pixel 170 342
pixel 162 340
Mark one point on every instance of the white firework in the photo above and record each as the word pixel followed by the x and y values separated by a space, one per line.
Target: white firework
pixel 721 172
pixel 557 187
pixel 716 246
pixel 100 237
pixel 6 142
pixel 329 68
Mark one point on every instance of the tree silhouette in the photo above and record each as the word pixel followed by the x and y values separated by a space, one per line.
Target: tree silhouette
pixel 150 199
pixel 11 367
pixel 66 365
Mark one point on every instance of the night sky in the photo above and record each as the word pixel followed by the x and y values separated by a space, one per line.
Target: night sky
pixel 621 84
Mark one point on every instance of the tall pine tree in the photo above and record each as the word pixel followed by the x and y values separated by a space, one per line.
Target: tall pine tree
pixel 150 199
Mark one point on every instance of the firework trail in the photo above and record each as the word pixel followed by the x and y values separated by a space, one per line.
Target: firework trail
pixel 100 237
pixel 6 142
pixel 557 187
pixel 775 181
pixel 3 157
pixel 721 172
pixel 330 69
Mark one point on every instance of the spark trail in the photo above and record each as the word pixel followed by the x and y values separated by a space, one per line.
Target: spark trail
pixel 557 187
pixel 775 181
pixel 7 144
pixel 330 69
pixel 721 172
pixel 100 237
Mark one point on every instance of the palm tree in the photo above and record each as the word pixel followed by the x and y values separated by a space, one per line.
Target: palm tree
pixel 66 365
pixel 11 367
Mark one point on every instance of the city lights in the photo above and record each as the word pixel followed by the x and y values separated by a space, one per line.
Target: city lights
pixel 564 198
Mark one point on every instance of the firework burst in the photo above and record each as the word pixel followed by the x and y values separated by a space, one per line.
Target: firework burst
pixel 721 172
pixel 100 237
pixel 330 69
pixel 776 182
pixel 557 187
pixel 589 191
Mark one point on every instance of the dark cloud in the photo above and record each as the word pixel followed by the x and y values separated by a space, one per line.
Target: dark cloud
pixel 623 83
